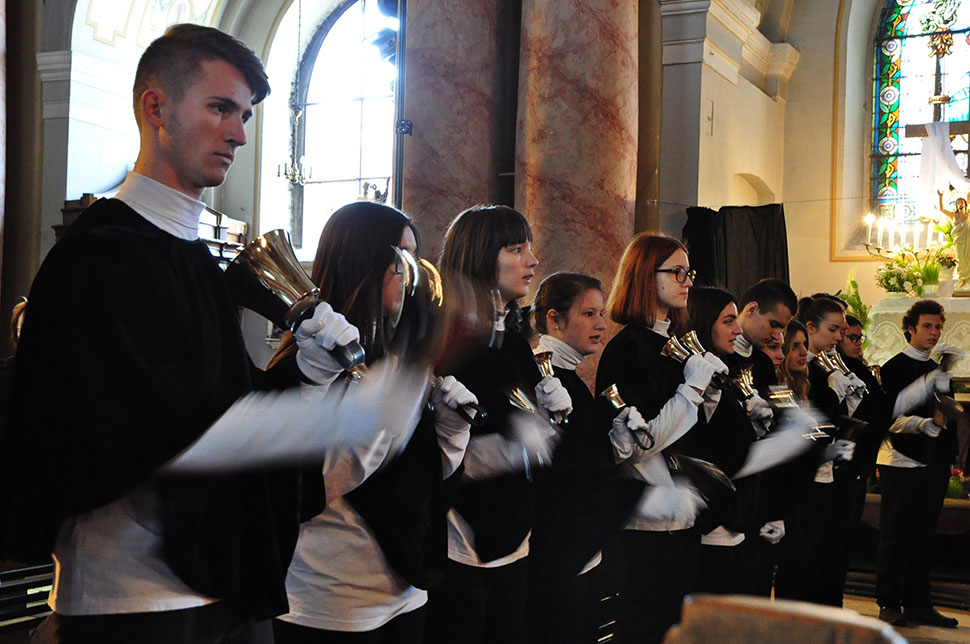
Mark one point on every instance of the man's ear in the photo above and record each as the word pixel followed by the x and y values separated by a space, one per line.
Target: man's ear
pixel 151 104
pixel 749 309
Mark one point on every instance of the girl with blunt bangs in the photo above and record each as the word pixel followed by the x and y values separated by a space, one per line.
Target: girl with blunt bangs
pixel 483 597
pixel 660 544
pixel 374 535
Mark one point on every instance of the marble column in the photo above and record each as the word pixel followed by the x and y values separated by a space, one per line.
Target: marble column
pixel 453 94
pixel 576 149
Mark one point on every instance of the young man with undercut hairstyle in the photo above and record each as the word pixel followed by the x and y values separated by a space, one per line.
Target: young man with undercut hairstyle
pixel 138 452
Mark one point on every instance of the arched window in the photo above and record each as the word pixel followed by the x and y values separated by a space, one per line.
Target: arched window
pixel 341 114
pixel 922 75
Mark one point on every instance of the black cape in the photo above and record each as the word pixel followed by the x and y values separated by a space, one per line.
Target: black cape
pixel 131 349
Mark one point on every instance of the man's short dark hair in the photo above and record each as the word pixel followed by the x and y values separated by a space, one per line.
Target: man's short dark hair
pixel 173 62
pixel 851 320
pixel 835 298
pixel 768 294
pixel 923 307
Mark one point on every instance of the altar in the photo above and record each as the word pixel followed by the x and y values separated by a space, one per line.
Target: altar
pixel 885 330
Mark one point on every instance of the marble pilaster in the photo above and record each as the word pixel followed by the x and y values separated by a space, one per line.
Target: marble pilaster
pixel 576 149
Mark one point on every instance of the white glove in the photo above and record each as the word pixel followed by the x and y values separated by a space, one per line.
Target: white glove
pixel 447 396
pixel 698 370
pixel 857 383
pixel 552 396
pixel 840 384
pixel 928 427
pixel 839 450
pixel 759 412
pixel 621 434
pixel 773 531
pixel 678 503
pixel 316 337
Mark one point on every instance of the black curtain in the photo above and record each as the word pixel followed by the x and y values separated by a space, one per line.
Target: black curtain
pixel 736 246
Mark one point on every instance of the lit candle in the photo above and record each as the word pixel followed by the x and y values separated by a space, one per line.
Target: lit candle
pixel 880 227
pixel 869 219
pixel 892 234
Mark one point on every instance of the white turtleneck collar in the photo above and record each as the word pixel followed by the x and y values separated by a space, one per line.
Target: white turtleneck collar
pixel 915 353
pixel 661 327
pixel 742 347
pixel 563 355
pixel 174 212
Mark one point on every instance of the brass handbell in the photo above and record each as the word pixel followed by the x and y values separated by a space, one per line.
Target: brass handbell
pixel 267 278
pixel 612 394
pixel 544 360
pixel 844 368
pixel 692 343
pixel 784 398
pixel 745 382
pixel 674 349
pixel 835 362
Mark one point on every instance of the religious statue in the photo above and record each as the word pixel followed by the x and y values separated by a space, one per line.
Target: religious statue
pixel 961 240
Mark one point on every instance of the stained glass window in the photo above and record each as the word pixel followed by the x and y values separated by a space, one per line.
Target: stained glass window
pixel 921 75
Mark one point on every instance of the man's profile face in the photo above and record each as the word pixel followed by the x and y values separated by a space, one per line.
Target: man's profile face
pixel 763 327
pixel 201 132
pixel 926 333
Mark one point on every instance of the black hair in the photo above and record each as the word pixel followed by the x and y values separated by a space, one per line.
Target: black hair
pixel 704 306
pixel 923 307
pixel 814 311
pixel 851 320
pixel 768 294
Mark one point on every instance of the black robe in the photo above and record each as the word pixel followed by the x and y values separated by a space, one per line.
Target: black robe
pixel 131 349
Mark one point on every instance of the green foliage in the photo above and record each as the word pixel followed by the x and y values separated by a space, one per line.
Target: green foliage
pixel 850 294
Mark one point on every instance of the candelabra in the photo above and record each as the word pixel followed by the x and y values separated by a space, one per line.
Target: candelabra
pixel 295 172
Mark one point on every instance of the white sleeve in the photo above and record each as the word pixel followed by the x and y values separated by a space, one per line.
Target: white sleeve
pixel 452 451
pixel 492 455
pixel 298 425
pixel 676 417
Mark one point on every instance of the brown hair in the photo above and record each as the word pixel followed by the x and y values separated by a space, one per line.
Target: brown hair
pixel 352 257
pixel 558 292
pixel 797 380
pixel 471 247
pixel 633 298
pixel 174 59
pixel 17 319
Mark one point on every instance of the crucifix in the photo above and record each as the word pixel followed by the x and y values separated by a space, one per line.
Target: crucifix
pixel 960 230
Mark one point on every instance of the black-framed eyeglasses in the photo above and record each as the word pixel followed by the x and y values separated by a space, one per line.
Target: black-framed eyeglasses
pixel 855 338
pixel 680 273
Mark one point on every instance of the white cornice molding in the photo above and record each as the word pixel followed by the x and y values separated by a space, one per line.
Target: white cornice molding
pixel 682 7
pixel 782 61
pixel 738 17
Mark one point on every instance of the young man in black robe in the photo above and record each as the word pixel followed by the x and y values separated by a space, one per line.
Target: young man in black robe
pixel 764 311
pixel 914 470
pixel 136 449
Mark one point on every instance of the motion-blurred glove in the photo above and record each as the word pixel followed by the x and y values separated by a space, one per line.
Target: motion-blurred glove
pixel 773 531
pixel 928 427
pixel 678 503
pixel 552 396
pixel 316 337
pixel 698 370
pixel 840 450
pixel 759 412
pixel 921 390
pixel 939 381
pixel 840 384
pixel 447 396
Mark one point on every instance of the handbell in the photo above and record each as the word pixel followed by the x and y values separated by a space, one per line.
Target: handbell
pixel 612 395
pixel 827 363
pixel 844 368
pixel 692 343
pixel 267 278
pixel 544 361
pixel 745 382
pixel 674 349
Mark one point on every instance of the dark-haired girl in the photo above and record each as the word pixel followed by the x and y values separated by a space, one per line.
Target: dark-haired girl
pixel 375 538
pixel 660 544
pixel 483 597
pixel 723 434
